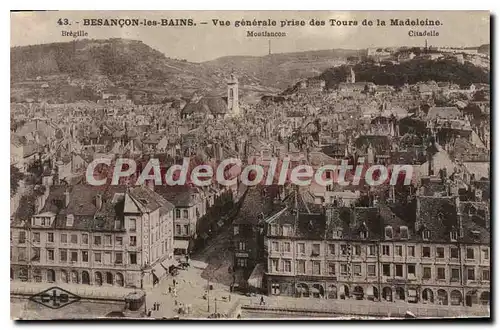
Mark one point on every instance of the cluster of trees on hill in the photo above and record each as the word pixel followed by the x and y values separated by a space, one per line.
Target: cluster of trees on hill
pixel 85 57
pixel 409 72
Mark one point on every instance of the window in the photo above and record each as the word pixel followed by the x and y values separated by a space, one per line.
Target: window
pixel 275 289
pixel 441 274
pixel 411 251
pixel 426 234
pixel 363 234
pixel 357 250
pixel 343 269
pixel 274 265
pixel 331 268
pixel 119 240
pixel 36 237
pixel 132 225
pixel 107 240
pixel 178 230
pixel 386 269
pixel 22 237
pixel 133 258
pixel 241 262
pixel 471 276
pixel 50 254
pixel 50 237
pixel 440 252
pixel 236 230
pixel 287 230
pixel 301 266
pixel 371 250
pixel 242 246
pixel 470 253
pixel 287 265
pixel 399 250
pixel 357 269
pixel 343 249
pixel 399 270
pixel 315 249
pixel 316 267
pixel 185 214
pixel 74 256
pixel 177 213
pixel 411 270
pixel 404 232
pixel 274 230
pixel 107 258
pixel 63 255
pixel 21 253
pixel 133 241
pixel 97 240
pixel 97 257
pixel 64 238
pixel 386 250
pixel 427 273
pixel 453 236
pixel 331 249
pixel 36 254
pixel 186 229
pixel 485 274
pixel 388 232
pixel 301 247
pixel 85 256
pixel 286 247
pixel 370 269
pixel 455 274
pixel 85 239
pixel 275 246
pixel 74 239
pixel 426 251
pixel 454 253
pixel 485 255
pixel 118 258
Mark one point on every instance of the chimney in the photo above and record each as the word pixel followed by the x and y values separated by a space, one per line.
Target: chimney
pixel 98 201
pixel 430 160
pixel 66 196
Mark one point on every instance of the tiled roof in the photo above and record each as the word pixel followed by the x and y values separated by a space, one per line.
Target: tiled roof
pixel 443 113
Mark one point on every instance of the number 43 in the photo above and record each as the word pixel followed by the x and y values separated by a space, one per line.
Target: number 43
pixel 62 21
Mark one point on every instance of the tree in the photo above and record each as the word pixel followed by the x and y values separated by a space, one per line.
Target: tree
pixel 15 177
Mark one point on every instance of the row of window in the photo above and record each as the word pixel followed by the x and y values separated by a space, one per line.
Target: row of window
pixel 76 256
pixel 396 270
pixel 77 239
pixel 357 250
pixel 70 277
pixel 185 214
pixel 286 230
pixel 182 230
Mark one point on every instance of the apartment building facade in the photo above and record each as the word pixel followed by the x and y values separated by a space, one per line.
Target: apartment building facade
pixel 370 253
pixel 116 237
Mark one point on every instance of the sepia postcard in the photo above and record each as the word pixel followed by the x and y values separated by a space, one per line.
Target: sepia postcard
pixel 177 165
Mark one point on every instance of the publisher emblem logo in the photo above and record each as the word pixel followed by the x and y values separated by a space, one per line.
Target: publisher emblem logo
pixel 55 298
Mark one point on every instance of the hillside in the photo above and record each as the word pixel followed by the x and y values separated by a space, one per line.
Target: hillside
pixel 484 49
pixel 102 64
pixel 281 70
pixel 410 72
pixel 65 72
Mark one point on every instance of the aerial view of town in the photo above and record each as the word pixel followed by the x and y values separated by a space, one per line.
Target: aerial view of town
pixel 337 183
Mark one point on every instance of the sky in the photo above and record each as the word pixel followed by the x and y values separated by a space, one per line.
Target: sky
pixel 205 42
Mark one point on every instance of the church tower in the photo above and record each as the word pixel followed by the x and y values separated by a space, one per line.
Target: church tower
pixel 232 96
pixel 351 78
